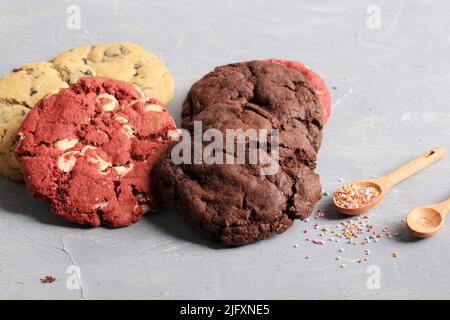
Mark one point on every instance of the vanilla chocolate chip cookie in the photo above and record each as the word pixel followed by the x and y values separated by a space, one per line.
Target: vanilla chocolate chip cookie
pixel 19 92
pixel 121 61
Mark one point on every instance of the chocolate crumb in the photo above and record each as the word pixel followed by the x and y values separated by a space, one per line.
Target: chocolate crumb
pixel 33 91
pixel 48 279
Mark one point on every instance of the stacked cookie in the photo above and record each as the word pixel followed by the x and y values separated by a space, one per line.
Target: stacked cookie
pixel 24 87
pixel 86 129
pixel 236 203
pixel 90 134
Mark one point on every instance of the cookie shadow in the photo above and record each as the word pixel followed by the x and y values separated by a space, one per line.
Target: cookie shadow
pixel 330 212
pixel 170 223
pixel 15 199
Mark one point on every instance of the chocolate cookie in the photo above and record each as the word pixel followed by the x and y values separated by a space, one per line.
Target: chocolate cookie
pixel 88 150
pixel 319 85
pixel 240 203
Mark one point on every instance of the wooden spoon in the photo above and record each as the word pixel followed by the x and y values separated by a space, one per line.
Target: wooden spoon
pixel 427 220
pixel 385 183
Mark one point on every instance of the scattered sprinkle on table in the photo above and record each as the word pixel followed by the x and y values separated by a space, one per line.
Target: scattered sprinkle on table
pixel 319 214
pixel 356 232
pixel 352 196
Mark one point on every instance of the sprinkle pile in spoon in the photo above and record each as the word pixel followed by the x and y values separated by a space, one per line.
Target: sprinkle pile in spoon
pixel 352 196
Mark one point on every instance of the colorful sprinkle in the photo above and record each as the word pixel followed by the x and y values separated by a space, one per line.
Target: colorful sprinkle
pixel 352 196
pixel 316 241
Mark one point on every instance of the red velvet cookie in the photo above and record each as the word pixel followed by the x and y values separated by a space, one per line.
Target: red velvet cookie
pixel 89 151
pixel 321 88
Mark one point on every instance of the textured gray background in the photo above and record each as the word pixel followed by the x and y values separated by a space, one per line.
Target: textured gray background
pixel 391 103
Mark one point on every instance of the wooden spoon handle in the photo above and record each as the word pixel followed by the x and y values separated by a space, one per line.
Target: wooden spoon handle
pixel 443 207
pixel 412 167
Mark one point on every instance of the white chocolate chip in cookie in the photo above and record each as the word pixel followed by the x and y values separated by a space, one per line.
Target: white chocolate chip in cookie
pixel 103 133
pixel 21 136
pixel 144 207
pixel 141 93
pixel 100 162
pixel 86 148
pixel 67 161
pixel 121 119
pixel 66 144
pixel 101 205
pixel 128 130
pixel 174 134
pixel 153 107
pixel 111 102
pixel 122 170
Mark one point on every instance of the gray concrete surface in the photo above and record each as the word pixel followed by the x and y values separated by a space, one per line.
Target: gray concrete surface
pixel 391 103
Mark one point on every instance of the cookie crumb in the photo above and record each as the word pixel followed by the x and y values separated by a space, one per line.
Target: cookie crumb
pixel 48 279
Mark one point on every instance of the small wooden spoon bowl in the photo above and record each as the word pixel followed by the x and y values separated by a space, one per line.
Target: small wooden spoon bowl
pixel 424 222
